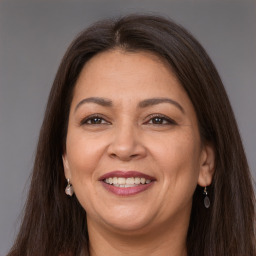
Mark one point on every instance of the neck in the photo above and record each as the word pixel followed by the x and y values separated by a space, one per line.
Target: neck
pixel 165 240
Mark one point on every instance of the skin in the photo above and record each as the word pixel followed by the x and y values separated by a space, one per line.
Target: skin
pixel 127 137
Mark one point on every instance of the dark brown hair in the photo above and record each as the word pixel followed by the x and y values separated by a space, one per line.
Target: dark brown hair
pixel 54 224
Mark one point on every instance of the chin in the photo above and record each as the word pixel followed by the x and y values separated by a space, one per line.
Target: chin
pixel 127 223
pixel 129 227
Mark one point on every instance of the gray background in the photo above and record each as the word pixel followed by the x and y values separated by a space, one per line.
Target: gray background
pixel 34 36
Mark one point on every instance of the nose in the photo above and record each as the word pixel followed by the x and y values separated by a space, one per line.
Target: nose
pixel 126 144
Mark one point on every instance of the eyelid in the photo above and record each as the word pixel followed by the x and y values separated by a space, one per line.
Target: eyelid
pixel 168 119
pixel 95 115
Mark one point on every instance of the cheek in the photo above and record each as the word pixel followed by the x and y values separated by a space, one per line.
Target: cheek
pixel 179 157
pixel 180 169
pixel 83 156
pixel 179 149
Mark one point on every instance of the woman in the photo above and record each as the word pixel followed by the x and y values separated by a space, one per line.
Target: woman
pixel 140 134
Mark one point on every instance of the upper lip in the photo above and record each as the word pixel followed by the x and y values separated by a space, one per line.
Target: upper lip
pixel 126 174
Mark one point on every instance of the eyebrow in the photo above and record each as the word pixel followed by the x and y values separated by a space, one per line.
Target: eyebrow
pixel 97 100
pixel 143 104
pixel 155 101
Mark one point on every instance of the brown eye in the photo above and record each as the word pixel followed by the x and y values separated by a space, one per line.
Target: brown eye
pixel 161 120
pixel 158 120
pixel 94 120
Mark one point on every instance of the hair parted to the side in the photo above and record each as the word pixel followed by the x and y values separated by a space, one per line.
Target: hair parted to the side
pixel 55 224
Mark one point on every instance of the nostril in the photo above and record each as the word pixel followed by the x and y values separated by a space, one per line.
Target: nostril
pixel 123 156
pixel 113 155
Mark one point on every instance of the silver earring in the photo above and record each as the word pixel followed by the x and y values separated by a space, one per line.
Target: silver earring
pixel 206 199
pixel 69 189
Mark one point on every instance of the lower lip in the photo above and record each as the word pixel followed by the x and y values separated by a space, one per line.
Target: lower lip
pixel 120 191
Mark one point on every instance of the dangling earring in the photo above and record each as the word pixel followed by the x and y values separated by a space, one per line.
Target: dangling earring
pixel 206 199
pixel 69 189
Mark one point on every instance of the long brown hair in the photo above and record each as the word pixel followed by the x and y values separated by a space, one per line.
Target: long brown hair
pixel 54 224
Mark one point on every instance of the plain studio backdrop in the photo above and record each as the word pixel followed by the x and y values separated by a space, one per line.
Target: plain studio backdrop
pixel 33 38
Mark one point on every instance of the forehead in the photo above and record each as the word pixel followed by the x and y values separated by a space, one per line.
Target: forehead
pixel 118 71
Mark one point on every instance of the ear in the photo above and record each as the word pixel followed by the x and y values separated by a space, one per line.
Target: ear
pixel 207 164
pixel 67 171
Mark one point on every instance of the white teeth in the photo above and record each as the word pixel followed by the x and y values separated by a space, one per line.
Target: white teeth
pixel 129 181
pixel 126 182
pixel 121 181
pixel 114 180
pixel 137 180
pixel 124 186
pixel 128 185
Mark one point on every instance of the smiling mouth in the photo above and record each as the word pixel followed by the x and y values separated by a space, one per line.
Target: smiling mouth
pixel 127 182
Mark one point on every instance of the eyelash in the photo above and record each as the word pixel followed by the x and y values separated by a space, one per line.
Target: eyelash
pixel 91 117
pixel 162 118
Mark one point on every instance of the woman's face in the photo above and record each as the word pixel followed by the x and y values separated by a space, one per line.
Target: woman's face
pixel 133 149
